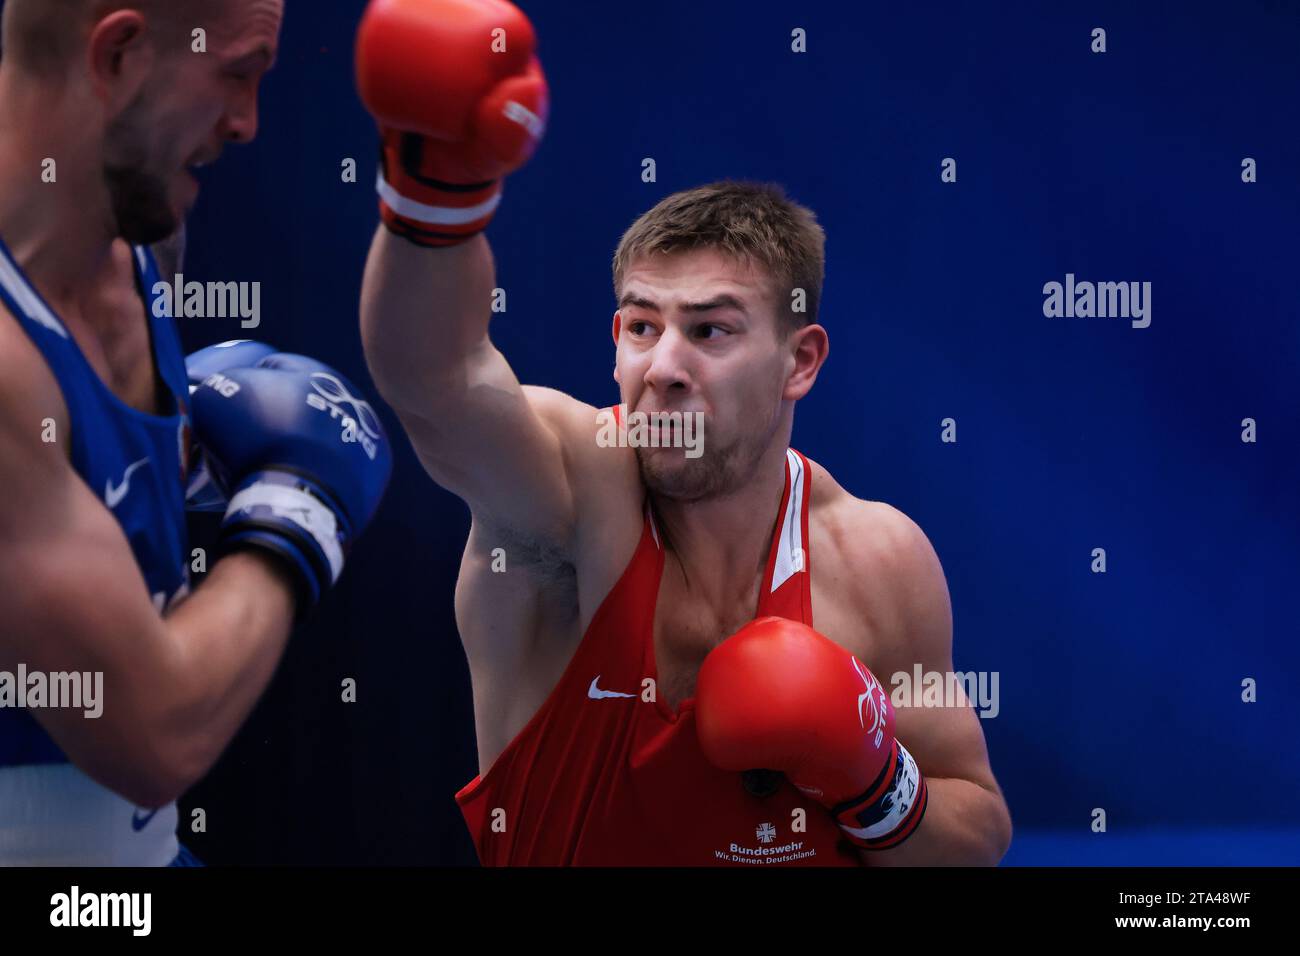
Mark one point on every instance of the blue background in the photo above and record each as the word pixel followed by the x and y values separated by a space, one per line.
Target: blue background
pixel 1119 690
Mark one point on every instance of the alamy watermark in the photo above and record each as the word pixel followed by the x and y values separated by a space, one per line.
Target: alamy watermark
pixel 75 690
pixel 919 688
pixel 209 300
pixel 1104 300
pixel 651 430
pixel 133 911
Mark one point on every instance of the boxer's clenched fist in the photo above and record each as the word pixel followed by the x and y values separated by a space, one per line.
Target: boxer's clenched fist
pixel 460 100
pixel 201 492
pixel 300 457
pixel 778 695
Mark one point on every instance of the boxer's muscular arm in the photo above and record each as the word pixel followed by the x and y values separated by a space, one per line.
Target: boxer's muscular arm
pixel 72 599
pixel 966 821
pixel 499 446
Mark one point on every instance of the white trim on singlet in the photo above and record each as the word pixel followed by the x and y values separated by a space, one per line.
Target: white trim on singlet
pixel 654 529
pixel 28 300
pixel 789 546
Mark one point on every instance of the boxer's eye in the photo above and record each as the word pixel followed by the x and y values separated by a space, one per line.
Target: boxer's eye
pixel 250 66
pixel 711 326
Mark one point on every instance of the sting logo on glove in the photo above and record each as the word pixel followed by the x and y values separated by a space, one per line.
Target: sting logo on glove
pixel 291 481
pixel 873 718
pixel 361 426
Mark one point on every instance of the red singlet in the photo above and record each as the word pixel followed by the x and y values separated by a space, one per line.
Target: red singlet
pixel 600 776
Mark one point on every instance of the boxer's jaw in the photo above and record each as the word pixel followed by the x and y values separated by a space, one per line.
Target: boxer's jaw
pixel 146 198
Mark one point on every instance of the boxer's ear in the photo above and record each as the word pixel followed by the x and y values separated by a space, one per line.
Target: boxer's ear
pixel 617 327
pixel 120 58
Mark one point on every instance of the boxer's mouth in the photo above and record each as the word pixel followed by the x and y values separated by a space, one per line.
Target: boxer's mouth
pixel 202 161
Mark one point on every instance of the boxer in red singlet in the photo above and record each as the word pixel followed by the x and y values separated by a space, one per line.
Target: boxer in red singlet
pixel 680 655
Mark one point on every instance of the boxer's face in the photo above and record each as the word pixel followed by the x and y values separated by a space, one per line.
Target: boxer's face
pixel 190 106
pixel 696 331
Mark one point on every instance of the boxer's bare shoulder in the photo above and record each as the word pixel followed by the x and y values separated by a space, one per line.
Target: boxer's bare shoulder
pixel 879 591
pixel 877 583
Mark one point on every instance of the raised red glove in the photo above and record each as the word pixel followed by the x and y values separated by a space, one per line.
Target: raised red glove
pixel 455 112
pixel 777 695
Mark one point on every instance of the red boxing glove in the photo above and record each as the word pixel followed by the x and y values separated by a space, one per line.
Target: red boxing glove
pixel 460 100
pixel 777 695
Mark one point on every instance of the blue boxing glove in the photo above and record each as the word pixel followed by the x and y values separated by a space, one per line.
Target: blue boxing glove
pixel 201 493
pixel 302 460
pixel 237 353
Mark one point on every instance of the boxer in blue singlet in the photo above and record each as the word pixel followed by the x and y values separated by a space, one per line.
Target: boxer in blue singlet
pixel 120 683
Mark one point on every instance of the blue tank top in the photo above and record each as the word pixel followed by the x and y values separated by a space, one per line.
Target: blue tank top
pixel 134 462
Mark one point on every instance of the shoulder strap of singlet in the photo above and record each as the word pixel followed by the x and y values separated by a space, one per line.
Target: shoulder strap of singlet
pixel 789 548
pixel 166 342
pixel 650 520
pixel 22 300
pixel 787 583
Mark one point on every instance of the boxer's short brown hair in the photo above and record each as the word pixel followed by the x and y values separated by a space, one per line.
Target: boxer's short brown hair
pixel 750 222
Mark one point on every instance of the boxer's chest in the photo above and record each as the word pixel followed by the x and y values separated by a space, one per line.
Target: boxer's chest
pixel 685 629
pixel 120 348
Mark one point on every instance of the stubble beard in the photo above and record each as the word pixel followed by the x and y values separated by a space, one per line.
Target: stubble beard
pixel 139 198
pixel 669 474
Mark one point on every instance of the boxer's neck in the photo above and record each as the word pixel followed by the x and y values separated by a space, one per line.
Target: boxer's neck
pixel 722 543
pixel 60 230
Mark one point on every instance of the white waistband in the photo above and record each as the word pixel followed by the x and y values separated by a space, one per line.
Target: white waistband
pixel 54 815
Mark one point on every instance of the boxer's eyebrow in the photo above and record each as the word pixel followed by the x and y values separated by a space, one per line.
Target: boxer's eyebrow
pixel 640 301
pixel 723 300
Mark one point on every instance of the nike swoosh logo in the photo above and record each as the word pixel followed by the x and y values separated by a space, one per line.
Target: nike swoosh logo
pixel 113 496
pixel 595 693
pixel 139 822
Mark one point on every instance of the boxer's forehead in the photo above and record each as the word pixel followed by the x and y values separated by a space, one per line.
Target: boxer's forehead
pixel 694 280
pixel 246 28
